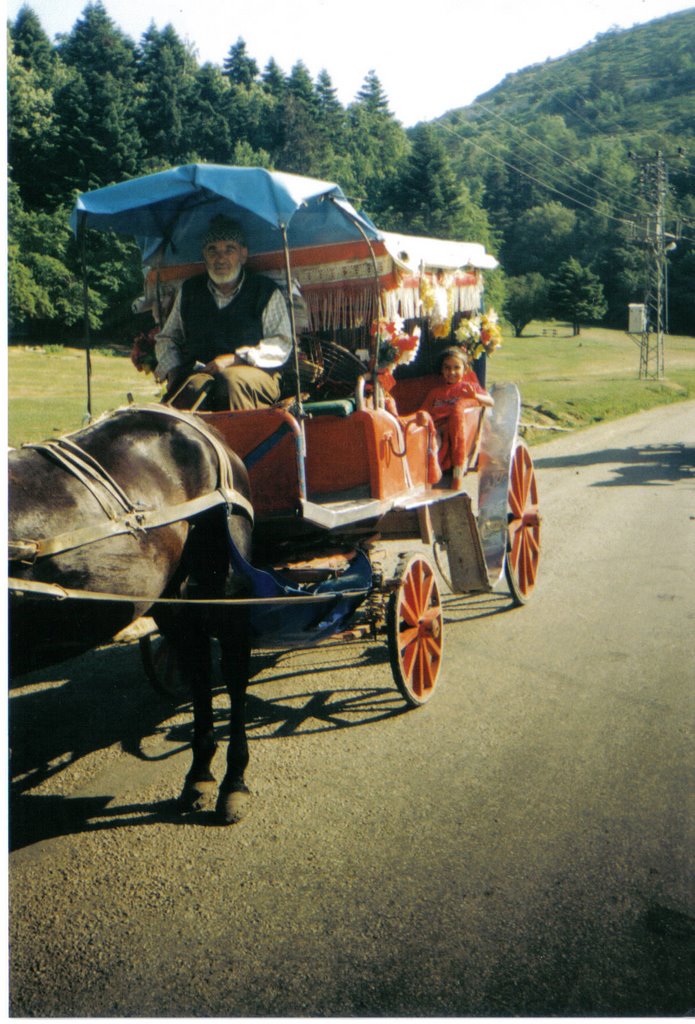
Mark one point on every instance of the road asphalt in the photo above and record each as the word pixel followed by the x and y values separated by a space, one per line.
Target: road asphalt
pixel 520 846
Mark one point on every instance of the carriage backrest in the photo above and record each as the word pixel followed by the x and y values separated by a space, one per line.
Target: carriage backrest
pixel 410 394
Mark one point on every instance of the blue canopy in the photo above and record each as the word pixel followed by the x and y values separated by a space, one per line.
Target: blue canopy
pixel 168 212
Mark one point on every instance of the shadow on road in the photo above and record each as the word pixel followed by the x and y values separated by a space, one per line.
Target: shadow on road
pixel 641 466
pixel 34 819
pixel 461 608
pixel 63 715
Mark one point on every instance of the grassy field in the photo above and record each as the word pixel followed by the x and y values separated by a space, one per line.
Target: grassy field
pixel 47 389
pixel 566 382
pixel 572 382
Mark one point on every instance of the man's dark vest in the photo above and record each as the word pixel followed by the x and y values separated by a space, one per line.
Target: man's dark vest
pixel 214 332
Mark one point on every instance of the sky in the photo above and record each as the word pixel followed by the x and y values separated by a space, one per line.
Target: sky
pixel 429 59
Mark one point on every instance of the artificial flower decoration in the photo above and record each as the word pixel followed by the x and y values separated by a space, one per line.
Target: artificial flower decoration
pixel 142 353
pixel 437 305
pixel 395 346
pixel 480 334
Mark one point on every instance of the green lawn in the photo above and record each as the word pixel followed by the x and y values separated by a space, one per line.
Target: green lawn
pixel 565 381
pixel 47 390
pixel 572 382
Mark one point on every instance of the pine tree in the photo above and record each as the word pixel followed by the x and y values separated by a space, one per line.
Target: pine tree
pixel 208 129
pixel 238 67
pixel 96 47
pixel 332 121
pixel 378 144
pixel 302 147
pixel 97 106
pixel 372 96
pixel 425 196
pixel 300 85
pixel 33 47
pixel 274 86
pixel 166 74
pixel 273 79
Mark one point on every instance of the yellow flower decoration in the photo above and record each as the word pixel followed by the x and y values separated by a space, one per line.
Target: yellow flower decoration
pixel 480 334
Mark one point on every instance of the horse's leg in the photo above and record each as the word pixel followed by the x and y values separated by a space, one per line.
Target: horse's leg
pixel 234 795
pixel 193 652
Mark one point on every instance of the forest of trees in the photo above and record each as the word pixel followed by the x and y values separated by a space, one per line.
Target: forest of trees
pixel 563 156
pixel 558 204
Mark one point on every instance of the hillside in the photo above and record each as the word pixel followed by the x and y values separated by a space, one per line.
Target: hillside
pixel 625 83
pixel 563 158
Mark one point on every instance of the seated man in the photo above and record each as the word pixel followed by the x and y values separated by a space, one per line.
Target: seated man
pixel 228 326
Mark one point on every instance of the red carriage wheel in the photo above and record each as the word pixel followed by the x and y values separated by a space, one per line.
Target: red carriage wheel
pixel 161 667
pixel 524 527
pixel 415 630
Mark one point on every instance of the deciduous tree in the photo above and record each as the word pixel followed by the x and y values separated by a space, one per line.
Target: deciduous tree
pixel 576 294
pixel 526 299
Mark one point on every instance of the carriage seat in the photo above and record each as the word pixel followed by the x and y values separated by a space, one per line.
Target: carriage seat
pixel 409 394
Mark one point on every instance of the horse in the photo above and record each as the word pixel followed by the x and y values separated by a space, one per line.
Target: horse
pixel 142 504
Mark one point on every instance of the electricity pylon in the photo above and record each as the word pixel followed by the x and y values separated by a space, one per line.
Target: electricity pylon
pixel 658 243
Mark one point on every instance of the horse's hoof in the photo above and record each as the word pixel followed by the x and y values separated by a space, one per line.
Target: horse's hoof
pixel 232 806
pixel 197 796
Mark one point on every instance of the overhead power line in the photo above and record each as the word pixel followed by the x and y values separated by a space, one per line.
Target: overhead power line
pixel 532 177
pixel 586 188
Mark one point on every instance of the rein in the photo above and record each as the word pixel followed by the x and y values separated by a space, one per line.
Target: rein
pixel 125 515
pixel 29 589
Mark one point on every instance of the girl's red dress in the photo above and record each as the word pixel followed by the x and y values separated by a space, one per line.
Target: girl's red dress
pixel 446 405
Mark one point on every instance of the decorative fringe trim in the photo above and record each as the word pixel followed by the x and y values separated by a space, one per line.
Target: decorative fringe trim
pixel 406 302
pixel 333 308
pixel 335 295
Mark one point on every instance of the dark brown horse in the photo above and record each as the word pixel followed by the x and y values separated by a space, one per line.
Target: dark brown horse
pixel 143 503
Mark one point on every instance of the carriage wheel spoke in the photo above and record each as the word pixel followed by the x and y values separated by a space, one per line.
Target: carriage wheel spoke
pixel 409 610
pixel 408 637
pixel 416 624
pixel 523 528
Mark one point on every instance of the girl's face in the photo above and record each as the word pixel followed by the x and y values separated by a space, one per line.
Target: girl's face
pixel 453 370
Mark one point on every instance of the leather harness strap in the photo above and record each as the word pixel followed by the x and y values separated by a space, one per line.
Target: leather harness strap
pixel 125 515
pixel 91 473
pixel 30 588
pixel 135 522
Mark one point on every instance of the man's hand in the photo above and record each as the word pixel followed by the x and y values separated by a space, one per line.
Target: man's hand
pixel 220 363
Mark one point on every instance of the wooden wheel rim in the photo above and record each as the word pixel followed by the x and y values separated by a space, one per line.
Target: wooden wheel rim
pixel 416 631
pixel 524 528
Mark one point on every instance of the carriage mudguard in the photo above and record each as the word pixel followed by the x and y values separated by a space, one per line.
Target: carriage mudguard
pixel 498 440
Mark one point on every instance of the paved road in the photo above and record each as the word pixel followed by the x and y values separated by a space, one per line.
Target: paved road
pixel 520 846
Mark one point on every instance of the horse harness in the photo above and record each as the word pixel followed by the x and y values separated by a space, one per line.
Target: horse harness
pixel 123 514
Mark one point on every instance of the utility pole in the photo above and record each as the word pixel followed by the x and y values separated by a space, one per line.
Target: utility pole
pixel 649 323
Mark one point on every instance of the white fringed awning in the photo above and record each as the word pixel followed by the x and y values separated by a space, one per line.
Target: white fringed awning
pixel 415 252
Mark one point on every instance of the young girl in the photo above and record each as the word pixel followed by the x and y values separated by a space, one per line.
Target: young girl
pixel 446 405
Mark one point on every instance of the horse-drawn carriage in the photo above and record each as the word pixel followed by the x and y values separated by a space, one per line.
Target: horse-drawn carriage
pixel 340 464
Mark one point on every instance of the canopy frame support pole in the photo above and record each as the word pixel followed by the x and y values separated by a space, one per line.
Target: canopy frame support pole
pixel 82 240
pixel 374 338
pixel 299 414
